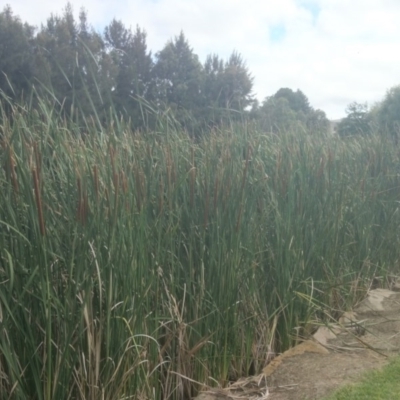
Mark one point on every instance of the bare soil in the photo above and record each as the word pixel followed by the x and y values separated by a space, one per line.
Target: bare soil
pixel 362 340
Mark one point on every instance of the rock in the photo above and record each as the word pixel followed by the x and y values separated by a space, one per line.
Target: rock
pixel 374 300
pixel 396 285
pixel 348 318
pixel 308 346
pixel 324 334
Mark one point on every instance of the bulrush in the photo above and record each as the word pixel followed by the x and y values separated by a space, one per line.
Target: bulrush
pixel 202 258
pixel 38 201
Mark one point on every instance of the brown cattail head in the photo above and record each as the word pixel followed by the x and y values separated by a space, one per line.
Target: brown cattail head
pixel 96 181
pixel 192 180
pixel 161 196
pixel 38 201
pixel 38 159
pixel 13 174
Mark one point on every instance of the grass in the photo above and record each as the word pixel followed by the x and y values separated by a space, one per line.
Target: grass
pixel 383 384
pixel 152 265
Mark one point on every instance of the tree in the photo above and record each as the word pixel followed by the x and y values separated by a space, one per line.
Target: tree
pixel 388 114
pixel 16 69
pixel 213 82
pixel 317 122
pixel 275 115
pixel 69 59
pixel 298 101
pixel 178 81
pixel 94 68
pixel 227 87
pixel 178 74
pixel 237 84
pixel 85 73
pixel 286 110
pixel 133 65
pixel 55 53
pixel 357 121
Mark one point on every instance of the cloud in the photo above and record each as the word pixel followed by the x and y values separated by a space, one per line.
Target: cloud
pixel 335 51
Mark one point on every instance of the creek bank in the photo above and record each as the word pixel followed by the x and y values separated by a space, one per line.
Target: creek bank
pixel 338 354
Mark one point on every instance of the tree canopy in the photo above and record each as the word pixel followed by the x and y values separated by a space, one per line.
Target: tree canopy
pixel 130 67
pixel 287 110
pixel 388 113
pixel 16 49
pixel 357 121
pixel 382 118
pixel 91 74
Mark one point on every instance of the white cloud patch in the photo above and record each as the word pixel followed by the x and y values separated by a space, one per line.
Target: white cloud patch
pixel 335 51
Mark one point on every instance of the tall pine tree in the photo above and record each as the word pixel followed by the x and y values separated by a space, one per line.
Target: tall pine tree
pixel 133 64
pixel 178 80
pixel 69 63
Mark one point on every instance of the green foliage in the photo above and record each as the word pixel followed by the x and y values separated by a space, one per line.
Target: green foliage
pixel 276 115
pixel 357 122
pixel 178 74
pixel 389 113
pixel 16 67
pixel 86 73
pixel 227 89
pixel 133 67
pixel 317 121
pixel 237 84
pixel 288 110
pixel 178 79
pixel 137 265
pixel 297 101
pixel 69 58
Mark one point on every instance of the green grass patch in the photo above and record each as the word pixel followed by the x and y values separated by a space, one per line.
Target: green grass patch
pixel 383 384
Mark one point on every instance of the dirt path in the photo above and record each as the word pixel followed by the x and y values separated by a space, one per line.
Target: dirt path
pixel 334 356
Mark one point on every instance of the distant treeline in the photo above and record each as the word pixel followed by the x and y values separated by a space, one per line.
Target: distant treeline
pixel 87 73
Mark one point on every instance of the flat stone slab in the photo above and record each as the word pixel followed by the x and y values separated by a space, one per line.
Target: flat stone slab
pixel 375 301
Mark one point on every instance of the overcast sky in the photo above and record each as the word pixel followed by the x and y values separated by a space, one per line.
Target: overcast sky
pixel 335 51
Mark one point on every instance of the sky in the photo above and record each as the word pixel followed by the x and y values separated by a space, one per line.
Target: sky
pixel 335 51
